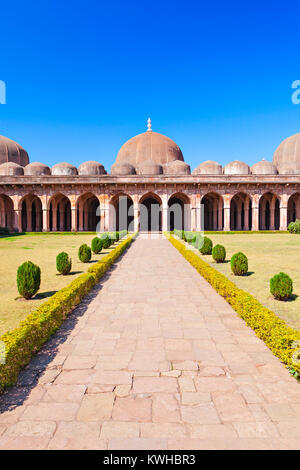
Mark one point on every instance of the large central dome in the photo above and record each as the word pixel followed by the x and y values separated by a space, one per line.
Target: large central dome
pixel 287 156
pixel 149 146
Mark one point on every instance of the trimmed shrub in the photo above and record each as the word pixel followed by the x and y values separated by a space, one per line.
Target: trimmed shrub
pixel 294 227
pixel 281 286
pixel 28 279
pixel 206 246
pixel 239 264
pixel 219 253
pixel 96 245
pixel 63 263
pixel 106 241
pixel 189 237
pixel 179 233
pixel 84 253
pixel 279 337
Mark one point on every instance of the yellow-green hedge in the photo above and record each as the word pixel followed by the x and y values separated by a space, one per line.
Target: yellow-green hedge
pixel 24 341
pixel 277 335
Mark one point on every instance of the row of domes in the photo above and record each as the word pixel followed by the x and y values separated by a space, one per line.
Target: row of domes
pixel 150 154
pixel 150 168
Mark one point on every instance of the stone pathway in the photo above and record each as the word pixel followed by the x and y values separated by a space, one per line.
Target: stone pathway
pixel 153 359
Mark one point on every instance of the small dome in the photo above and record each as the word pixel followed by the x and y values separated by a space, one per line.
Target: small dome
pixel 11 169
pixel 37 169
pixel 10 151
pixel 236 168
pixel 91 168
pixel 287 156
pixel 208 168
pixel 177 167
pixel 64 169
pixel 122 169
pixel 263 168
pixel 149 167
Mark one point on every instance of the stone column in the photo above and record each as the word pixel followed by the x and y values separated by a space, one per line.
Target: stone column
pixel 272 213
pixel 297 203
pixel 283 211
pixel 54 216
pixel 239 215
pixel 164 214
pixel 255 212
pixel 136 216
pixel 29 216
pixel 215 215
pixel 61 217
pixel 73 219
pixel 246 214
pixel 227 200
pixel 220 214
pixel 197 206
pixel 80 222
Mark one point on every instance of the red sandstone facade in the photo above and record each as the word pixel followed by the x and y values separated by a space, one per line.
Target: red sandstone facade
pixel 149 170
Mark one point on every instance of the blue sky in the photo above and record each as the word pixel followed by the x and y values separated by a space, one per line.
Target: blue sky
pixel 83 77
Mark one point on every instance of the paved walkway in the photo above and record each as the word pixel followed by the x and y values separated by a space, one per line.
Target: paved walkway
pixel 153 359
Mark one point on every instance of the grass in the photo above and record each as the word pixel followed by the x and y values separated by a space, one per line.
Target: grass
pixel 41 250
pixel 268 254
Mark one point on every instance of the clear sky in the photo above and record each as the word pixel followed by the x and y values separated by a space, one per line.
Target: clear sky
pixel 83 77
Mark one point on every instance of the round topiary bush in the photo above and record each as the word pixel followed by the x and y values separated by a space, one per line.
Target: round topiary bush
pixel 239 264
pixel 84 253
pixel 96 245
pixel 281 286
pixel 63 263
pixel 219 253
pixel 294 227
pixel 206 246
pixel 28 279
pixel 189 237
pixel 105 240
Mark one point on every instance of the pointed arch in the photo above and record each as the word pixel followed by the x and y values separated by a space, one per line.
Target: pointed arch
pixel 213 205
pixel 241 212
pixel 269 211
pixel 88 213
pixel 6 212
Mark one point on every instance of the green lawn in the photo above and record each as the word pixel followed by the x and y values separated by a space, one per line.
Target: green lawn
pixel 42 250
pixel 268 254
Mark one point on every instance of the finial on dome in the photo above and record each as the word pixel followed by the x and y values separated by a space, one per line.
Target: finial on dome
pixel 149 125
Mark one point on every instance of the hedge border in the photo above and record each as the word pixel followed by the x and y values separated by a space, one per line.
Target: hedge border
pixel 276 334
pixel 27 339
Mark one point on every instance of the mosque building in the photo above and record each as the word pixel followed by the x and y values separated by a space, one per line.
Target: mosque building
pixel 151 176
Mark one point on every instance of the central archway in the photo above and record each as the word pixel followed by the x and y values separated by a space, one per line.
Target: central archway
pixel 178 212
pixel 121 213
pixel 150 213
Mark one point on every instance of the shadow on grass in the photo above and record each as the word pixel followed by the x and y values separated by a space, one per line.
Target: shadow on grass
pixel 44 295
pixel 28 378
pixel 72 273
pixel 293 298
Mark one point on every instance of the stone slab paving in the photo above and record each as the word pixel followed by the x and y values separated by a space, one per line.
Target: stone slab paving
pixel 153 359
